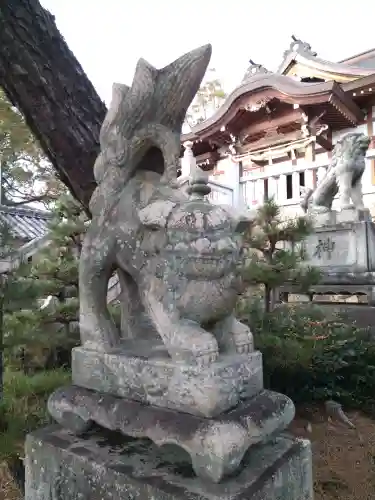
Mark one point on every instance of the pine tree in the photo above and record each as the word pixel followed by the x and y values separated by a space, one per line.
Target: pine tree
pixel 47 322
pixel 6 248
pixel 26 175
pixel 276 252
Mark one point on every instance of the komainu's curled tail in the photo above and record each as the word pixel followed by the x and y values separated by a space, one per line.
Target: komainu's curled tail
pixel 143 124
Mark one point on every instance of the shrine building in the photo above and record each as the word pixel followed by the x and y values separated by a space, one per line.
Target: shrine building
pixel 274 134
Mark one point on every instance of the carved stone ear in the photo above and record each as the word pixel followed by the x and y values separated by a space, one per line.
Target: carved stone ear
pixel 177 85
pixel 119 92
pixel 155 215
pixel 142 89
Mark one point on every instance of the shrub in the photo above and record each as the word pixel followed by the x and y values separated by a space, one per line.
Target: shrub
pixel 310 358
pixel 23 408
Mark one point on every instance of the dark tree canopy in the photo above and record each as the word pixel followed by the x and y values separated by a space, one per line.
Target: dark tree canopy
pixel 43 79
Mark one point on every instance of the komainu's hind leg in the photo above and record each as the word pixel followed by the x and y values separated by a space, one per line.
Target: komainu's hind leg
pixel 357 196
pixel 97 328
pixel 344 181
pixel 135 323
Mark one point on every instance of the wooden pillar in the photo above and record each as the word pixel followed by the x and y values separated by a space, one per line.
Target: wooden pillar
pixel 329 137
pixel 310 153
pixel 296 195
pixel 236 178
pixel 310 178
pixel 188 163
pixel 370 133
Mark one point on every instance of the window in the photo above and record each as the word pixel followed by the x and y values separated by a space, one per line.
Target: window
pixel 289 187
pixel 240 169
pixel 265 189
pixel 302 179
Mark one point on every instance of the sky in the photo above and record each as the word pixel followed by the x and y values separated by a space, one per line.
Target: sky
pixel 109 36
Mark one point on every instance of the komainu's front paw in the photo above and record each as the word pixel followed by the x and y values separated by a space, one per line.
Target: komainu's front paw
pixel 193 344
pixel 242 336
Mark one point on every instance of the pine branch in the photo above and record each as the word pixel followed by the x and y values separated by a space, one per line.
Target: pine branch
pixel 32 199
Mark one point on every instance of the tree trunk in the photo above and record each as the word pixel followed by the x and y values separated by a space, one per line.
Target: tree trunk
pixel 43 79
pixel 268 306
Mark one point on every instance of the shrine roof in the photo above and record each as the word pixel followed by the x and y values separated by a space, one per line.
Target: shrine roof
pixel 301 61
pixel 259 88
pixel 363 60
pixel 25 223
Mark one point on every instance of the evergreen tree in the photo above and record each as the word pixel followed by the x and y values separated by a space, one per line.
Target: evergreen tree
pixel 46 323
pixel 276 252
pixel 6 246
pixel 209 98
pixel 26 176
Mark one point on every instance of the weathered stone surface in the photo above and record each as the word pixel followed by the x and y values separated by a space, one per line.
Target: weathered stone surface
pixel 351 214
pixel 216 445
pixel 107 466
pixel 152 377
pixel 324 218
pixel 178 258
pixel 346 247
pixel 343 176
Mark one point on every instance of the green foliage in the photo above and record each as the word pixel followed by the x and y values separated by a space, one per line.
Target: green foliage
pixel 208 99
pixel 26 175
pixel 35 330
pixel 23 407
pixel 272 264
pixel 310 358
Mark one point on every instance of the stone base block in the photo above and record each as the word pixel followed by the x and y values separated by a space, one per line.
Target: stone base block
pixel 346 247
pixel 351 214
pixel 156 379
pixel 325 218
pixel 216 446
pixel 107 466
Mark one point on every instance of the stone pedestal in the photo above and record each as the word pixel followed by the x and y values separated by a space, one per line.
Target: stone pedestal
pixel 216 445
pixel 215 414
pixel 344 245
pixel 109 466
pixel 147 374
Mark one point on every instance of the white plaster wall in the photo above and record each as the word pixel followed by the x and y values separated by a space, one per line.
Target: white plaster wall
pixel 229 176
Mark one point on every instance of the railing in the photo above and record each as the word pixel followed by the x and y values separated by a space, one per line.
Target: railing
pixel 220 194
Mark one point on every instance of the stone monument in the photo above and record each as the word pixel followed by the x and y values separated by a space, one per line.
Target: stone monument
pixel 343 243
pixel 183 373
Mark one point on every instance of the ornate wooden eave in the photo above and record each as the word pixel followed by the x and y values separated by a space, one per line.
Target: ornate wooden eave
pixel 301 61
pixel 313 98
pixel 366 83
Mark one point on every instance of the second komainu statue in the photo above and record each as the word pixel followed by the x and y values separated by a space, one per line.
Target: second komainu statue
pixel 182 369
pixel 343 177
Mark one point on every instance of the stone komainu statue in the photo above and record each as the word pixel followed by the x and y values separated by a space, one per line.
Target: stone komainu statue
pixel 343 176
pixel 177 257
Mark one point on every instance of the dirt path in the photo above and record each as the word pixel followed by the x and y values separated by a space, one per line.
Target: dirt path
pixel 344 467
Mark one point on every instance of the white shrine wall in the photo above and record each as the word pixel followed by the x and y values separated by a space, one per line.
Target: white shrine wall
pixel 249 188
